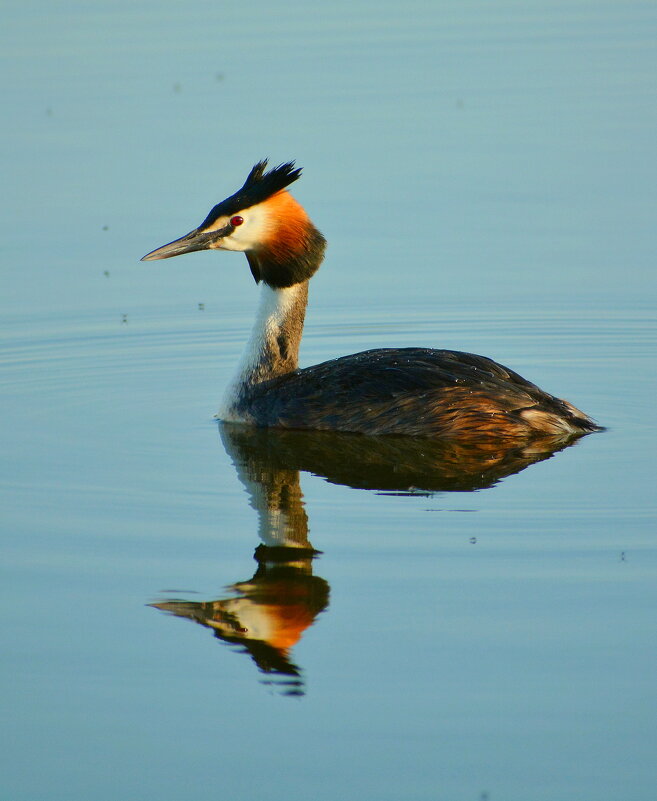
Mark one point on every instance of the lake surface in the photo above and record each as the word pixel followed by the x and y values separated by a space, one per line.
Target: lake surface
pixel 199 611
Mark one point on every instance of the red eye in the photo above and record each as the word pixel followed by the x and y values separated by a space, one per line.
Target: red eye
pixel 236 220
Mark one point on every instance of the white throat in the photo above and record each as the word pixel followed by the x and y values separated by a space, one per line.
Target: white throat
pixel 258 361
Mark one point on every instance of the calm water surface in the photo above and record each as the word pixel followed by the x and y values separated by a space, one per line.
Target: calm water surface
pixel 198 611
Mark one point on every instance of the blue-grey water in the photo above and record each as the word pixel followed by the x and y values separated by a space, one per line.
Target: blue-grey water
pixel 485 174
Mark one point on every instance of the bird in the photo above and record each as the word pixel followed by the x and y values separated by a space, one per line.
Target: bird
pixel 412 391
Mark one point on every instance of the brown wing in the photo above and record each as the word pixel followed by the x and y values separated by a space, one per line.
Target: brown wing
pixel 413 391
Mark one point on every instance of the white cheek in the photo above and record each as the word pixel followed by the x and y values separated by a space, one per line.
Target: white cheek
pixel 238 240
pixel 251 233
pixel 229 243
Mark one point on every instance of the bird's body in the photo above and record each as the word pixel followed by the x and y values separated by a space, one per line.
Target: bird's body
pixel 411 391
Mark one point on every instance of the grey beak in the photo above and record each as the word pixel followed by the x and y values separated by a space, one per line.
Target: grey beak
pixel 194 240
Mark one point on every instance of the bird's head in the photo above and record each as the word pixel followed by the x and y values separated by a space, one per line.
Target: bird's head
pixel 264 221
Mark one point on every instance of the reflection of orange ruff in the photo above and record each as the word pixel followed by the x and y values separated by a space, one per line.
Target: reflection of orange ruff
pixel 288 624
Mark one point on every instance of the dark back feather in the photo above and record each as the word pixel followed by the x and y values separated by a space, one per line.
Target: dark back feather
pixel 411 391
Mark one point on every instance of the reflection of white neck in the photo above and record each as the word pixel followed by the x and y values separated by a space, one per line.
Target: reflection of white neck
pixel 275 495
pixel 273 347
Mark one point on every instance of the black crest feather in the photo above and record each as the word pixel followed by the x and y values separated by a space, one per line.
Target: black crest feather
pixel 258 186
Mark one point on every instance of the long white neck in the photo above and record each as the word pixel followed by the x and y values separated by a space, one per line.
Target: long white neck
pixel 273 347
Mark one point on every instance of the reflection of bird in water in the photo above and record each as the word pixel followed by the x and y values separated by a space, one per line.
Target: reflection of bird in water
pixel 402 464
pixel 412 391
pixel 268 614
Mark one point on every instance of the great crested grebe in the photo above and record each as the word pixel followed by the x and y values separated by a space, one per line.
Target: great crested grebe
pixel 412 391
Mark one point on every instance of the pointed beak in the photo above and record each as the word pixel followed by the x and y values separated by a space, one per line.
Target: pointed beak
pixel 194 240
